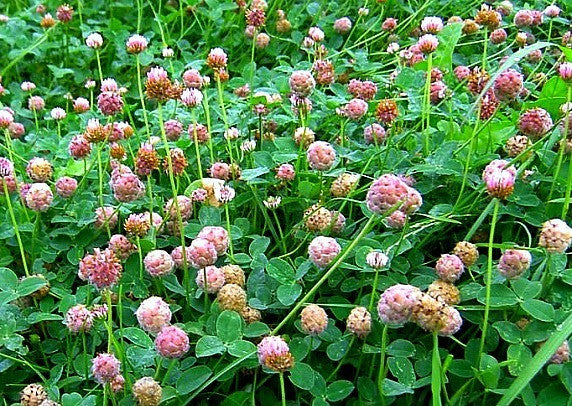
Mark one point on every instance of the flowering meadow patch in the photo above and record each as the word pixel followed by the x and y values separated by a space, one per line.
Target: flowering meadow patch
pixel 304 203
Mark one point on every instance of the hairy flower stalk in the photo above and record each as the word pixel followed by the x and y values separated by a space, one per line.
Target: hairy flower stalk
pixel 179 218
pixel 15 225
pixel 372 220
pixel 141 98
pixel 224 116
pixel 488 281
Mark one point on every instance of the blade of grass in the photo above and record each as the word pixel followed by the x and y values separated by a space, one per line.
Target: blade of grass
pixel 542 356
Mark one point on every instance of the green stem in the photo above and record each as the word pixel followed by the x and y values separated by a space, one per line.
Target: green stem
pixel 341 362
pixel 381 373
pixel 566 207
pixel 228 229
pixel 109 321
pixel 141 98
pixel 532 367
pixel 436 371
pixel 224 116
pixel 282 389
pixel 16 229
pixel 427 103
pixel 373 219
pixel 488 281
pixel 99 66
pixel 196 141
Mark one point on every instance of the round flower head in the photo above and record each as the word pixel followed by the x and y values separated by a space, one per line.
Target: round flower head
pixel 274 354
pixel 136 44
pixel 192 97
pixel 105 216
pixel 449 267
pixel 109 103
pixel 94 40
pixel 432 25
pixel 39 197
pixel 451 321
pixel 552 11
pixel 199 132
pixel 262 40
pixel 137 224
pixel 218 236
pixel 314 319
pixel 462 72
pixel 389 192
pixel 562 354
pixel 126 186
pixel 78 319
pixel 396 304
pixel 158 263
pixel 302 83
pixel 498 36
pixel 374 134
pixel 304 135
pixel 250 315
pixel 172 342
pixel 565 71
pixel 322 251
pixel 438 92
pixel 33 395
pixel 428 43
pixel 16 130
pixel 514 263
pixel 173 129
pixel 217 58
pixel 354 109
pixel 192 78
pixel 36 103
pixel 185 205
pixel 535 123
pixel 323 72
pixel 321 155
pixel 343 25
pixel 6 167
pixel 66 186
pixel 105 367
pixel 508 85
pixel 79 147
pixel 233 274
pixel 81 105
pixel 121 246
pixel 102 268
pixel 39 169
pixel 177 256
pixel 555 236
pixel 153 314
pixel 27 86
pixel 344 184
pixel 214 276
pixel 285 172
pixel 147 392
pixel 64 13
pixel 467 252
pixel 386 111
pixel 444 291
pixel 523 18
pixel 376 259
pixel 231 297
pixel 359 322
pixel 316 34
pixel 499 177
pixel 202 253
pixel 517 144
pixel 58 113
pixel 6 118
